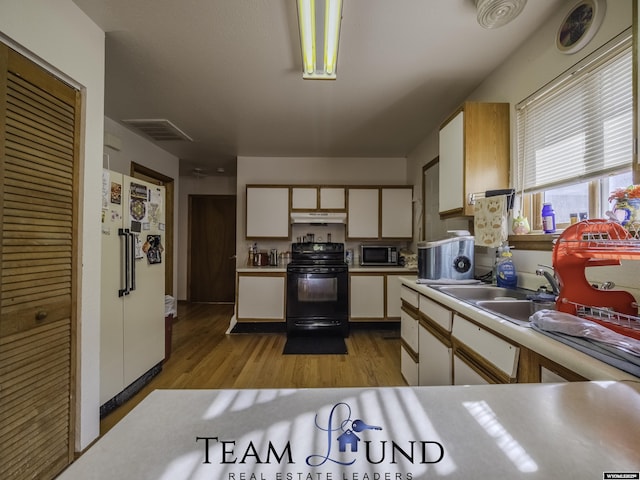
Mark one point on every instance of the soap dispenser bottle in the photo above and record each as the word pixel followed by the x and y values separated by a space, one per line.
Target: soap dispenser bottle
pixel 505 270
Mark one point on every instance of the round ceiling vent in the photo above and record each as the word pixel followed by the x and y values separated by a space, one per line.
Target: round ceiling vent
pixel 496 13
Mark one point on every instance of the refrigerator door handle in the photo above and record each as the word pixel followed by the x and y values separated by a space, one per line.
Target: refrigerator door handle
pixel 124 232
pixel 134 239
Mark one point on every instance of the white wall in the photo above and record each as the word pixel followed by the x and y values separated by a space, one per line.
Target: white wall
pixel 194 186
pixel 135 148
pixel 59 35
pixel 529 68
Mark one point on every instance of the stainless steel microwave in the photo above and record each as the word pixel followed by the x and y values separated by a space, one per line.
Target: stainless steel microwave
pixel 378 255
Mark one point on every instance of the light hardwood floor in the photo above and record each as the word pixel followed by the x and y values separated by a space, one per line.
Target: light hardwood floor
pixel 203 356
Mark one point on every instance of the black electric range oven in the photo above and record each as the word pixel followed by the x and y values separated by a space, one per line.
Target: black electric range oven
pixel 317 290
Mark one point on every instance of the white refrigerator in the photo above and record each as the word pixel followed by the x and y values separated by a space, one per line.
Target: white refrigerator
pixel 132 295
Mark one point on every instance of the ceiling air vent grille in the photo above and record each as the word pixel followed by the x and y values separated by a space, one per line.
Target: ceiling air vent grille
pixel 158 129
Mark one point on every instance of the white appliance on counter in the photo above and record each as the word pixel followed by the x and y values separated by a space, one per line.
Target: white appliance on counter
pixel 132 328
pixel 447 259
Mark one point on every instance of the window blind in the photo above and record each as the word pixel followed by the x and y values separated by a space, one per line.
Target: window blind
pixel 580 126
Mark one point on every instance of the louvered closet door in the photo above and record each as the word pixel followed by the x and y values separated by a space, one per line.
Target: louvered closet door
pixel 39 125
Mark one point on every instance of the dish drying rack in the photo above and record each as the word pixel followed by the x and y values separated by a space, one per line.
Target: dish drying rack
pixel 594 243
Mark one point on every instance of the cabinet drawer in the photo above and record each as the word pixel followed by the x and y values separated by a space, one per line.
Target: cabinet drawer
pixel 495 350
pixel 465 374
pixel 409 330
pixel 436 312
pixel 408 367
pixel 409 296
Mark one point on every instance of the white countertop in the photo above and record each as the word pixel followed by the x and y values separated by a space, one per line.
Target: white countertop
pixel 394 270
pixel 565 355
pixel 531 431
pixel 265 269
pixel 352 269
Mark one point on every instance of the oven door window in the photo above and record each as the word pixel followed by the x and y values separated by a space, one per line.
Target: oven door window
pixel 318 295
pixel 317 289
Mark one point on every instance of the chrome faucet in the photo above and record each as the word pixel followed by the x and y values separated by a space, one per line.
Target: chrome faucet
pixel 548 273
pixel 608 285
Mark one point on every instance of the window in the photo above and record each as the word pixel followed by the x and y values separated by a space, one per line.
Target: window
pixel 575 136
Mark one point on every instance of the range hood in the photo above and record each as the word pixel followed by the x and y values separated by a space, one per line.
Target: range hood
pixel 318 217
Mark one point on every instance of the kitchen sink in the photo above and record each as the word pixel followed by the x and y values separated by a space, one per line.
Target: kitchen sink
pixel 511 304
pixel 517 311
pixel 474 293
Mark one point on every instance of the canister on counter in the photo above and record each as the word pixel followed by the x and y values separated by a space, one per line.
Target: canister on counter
pixel 348 256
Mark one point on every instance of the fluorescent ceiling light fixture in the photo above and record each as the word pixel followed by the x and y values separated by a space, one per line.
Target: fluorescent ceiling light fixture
pixel 319 22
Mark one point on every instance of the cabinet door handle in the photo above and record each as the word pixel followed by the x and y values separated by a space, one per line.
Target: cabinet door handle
pixel 41 315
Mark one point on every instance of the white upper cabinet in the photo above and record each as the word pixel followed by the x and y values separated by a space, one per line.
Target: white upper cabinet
pixel 267 212
pixel 451 164
pixel 397 212
pixel 311 198
pixel 363 213
pixel 332 198
pixel 474 155
pixel 304 198
pixel 380 213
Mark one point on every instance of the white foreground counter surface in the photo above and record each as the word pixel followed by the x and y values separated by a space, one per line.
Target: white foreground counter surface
pixel 584 430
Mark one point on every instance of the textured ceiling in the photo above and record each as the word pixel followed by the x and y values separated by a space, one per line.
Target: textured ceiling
pixel 228 73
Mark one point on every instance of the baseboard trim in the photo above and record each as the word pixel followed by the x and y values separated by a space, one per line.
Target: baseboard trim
pixel 122 397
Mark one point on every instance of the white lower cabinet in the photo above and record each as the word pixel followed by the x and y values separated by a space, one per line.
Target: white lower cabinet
pixel 440 346
pixel 367 297
pixel 436 366
pixel 394 295
pixel 466 374
pixel 409 335
pixel 261 297
pixel 549 376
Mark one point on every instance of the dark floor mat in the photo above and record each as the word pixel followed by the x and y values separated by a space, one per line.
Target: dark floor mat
pixel 315 346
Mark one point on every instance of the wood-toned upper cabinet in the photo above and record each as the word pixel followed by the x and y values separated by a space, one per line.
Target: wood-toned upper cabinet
pixel 267 212
pixel 474 155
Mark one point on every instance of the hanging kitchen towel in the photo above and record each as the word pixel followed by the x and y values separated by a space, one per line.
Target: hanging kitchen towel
pixel 490 221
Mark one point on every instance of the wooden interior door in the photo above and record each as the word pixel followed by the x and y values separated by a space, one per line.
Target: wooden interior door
pixel 39 151
pixel 212 248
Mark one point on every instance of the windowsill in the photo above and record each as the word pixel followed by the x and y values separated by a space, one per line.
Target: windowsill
pixel 534 241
